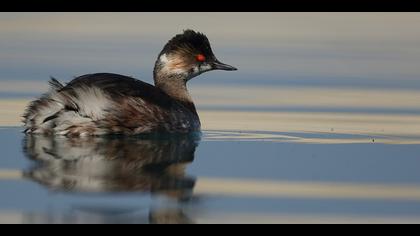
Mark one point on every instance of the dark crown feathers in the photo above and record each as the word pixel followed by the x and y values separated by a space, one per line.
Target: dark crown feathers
pixel 189 40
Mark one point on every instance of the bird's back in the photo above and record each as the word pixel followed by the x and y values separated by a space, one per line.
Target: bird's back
pixel 121 86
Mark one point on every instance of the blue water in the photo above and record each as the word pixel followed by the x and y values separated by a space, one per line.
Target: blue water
pixel 124 181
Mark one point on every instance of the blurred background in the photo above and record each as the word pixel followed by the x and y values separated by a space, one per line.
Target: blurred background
pixel 375 50
pixel 296 62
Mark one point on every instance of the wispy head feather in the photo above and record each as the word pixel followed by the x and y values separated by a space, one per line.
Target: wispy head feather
pixel 189 41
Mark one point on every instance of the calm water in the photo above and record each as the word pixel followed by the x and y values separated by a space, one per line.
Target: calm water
pixel 224 177
pixel 321 123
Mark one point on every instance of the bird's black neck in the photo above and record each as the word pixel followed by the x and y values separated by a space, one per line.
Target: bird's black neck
pixel 175 86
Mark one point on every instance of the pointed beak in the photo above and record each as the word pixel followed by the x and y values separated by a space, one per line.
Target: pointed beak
pixel 217 65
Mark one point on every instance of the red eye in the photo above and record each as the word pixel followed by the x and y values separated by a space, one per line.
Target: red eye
pixel 200 57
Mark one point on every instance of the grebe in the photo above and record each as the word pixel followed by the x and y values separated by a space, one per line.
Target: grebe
pixel 105 103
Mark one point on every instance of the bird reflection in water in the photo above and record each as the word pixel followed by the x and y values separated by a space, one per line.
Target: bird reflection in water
pixel 155 165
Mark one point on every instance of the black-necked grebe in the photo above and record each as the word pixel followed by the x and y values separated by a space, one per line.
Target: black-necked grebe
pixel 99 104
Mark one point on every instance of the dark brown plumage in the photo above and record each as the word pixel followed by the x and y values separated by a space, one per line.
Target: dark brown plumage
pixel 105 103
